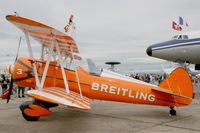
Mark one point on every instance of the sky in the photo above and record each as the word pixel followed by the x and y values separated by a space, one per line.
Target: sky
pixel 106 30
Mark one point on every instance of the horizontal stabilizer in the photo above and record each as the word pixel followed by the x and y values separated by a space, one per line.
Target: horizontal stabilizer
pixel 60 96
pixel 170 93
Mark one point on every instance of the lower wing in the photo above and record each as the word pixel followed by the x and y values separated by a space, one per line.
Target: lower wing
pixel 59 96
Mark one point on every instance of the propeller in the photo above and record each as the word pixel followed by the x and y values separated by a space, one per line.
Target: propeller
pixel 10 70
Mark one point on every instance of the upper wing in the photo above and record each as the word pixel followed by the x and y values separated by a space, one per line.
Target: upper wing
pixel 59 96
pixel 45 34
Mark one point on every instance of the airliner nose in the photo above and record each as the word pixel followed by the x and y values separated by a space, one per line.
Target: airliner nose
pixel 149 51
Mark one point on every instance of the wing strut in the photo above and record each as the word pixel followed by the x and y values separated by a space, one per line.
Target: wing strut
pixel 40 84
pixel 61 66
pixel 31 56
pixel 46 67
pixel 72 57
pixel 79 87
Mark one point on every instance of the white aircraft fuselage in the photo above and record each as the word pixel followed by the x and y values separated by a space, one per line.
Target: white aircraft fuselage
pixel 182 48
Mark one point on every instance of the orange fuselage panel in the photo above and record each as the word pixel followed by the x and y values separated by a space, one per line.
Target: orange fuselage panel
pixel 93 87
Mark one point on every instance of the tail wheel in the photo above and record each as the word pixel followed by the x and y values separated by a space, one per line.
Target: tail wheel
pixel 172 111
pixel 30 118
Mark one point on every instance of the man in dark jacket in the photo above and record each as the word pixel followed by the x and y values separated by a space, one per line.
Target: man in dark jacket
pixel 4 84
pixel 20 90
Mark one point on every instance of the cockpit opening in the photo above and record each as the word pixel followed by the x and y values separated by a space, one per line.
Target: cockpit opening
pixel 180 37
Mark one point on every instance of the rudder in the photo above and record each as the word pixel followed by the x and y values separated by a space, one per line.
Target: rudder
pixel 179 82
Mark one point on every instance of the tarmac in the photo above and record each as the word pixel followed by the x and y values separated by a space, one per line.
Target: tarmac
pixel 105 116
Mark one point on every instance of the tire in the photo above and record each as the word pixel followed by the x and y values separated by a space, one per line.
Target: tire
pixel 172 112
pixel 30 118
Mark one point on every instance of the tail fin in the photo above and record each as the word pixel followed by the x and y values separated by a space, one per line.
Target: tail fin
pixel 180 84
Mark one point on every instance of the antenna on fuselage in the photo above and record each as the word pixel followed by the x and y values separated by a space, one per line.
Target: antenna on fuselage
pixel 112 65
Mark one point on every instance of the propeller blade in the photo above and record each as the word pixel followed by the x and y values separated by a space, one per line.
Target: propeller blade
pixel 10 89
pixel 8 92
pixel 11 82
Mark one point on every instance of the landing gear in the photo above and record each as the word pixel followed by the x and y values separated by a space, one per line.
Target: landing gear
pixel 30 118
pixel 24 107
pixel 172 111
pixel 32 110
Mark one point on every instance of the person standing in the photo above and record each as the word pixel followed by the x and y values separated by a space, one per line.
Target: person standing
pixel 159 79
pixel 4 84
pixel 20 90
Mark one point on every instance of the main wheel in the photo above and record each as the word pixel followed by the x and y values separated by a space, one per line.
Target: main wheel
pixel 27 117
pixel 172 112
pixel 30 118
pixel 32 110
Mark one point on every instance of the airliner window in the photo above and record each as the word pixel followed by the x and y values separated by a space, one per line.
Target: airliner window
pixel 185 37
pixel 180 37
pixel 175 37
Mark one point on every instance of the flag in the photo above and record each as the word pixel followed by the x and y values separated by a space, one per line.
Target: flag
pixel 70 24
pixel 179 28
pixel 186 24
pixel 66 28
pixel 175 26
pixel 71 19
pixel 5 94
pixel 180 20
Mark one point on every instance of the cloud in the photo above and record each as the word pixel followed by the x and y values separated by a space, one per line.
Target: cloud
pixel 105 30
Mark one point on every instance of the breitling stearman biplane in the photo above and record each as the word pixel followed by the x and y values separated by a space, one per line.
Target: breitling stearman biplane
pixel 55 84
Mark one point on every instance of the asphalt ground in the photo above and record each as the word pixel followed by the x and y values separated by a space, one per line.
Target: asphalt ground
pixel 104 117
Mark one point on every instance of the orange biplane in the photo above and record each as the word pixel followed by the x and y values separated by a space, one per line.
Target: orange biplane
pixel 55 83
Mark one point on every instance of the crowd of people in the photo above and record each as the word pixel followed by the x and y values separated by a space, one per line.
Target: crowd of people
pixel 149 78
